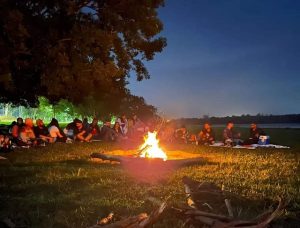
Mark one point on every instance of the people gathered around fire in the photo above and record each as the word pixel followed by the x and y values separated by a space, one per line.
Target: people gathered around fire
pixel 27 134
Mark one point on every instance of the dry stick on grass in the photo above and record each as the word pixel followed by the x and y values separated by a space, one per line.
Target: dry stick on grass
pixel 141 220
pixel 188 193
pixel 229 208
pixel 128 222
pixel 195 216
pixel 220 221
pixel 154 216
pixel 106 220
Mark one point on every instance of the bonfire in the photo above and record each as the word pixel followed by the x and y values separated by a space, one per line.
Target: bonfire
pixel 150 148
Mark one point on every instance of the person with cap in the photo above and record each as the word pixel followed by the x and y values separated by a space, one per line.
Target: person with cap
pixel 80 133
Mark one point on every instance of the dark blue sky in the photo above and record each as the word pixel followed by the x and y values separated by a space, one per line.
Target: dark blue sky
pixel 226 57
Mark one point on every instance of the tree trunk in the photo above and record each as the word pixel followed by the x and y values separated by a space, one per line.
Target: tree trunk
pixel 54 111
pixel 6 109
pixel 20 111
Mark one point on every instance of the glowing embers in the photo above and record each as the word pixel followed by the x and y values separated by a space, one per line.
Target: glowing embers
pixel 150 148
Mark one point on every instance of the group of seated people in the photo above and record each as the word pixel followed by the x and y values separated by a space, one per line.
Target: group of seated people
pixel 232 138
pixel 207 135
pixel 25 134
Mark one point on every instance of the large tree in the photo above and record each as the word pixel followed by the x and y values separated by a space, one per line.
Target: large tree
pixel 75 49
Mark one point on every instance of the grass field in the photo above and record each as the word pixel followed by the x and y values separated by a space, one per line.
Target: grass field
pixel 59 186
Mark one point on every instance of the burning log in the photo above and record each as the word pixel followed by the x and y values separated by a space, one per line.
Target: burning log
pixel 148 170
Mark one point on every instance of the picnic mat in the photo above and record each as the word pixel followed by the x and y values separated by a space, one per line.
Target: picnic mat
pixel 251 147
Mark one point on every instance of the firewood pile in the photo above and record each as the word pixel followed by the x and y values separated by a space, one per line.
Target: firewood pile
pixel 207 206
pixel 210 206
pixel 141 220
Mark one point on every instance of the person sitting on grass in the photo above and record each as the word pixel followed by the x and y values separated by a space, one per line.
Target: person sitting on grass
pixel 255 132
pixel 80 133
pixel 15 131
pixel 55 132
pixel 182 134
pixel 5 144
pixel 27 134
pixel 94 129
pixel 123 122
pixel 85 123
pixel 41 132
pixel 107 133
pixel 69 130
pixel 206 135
pixel 118 136
pixel 230 137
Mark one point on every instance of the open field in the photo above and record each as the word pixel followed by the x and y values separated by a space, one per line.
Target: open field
pixel 59 186
pixel 283 136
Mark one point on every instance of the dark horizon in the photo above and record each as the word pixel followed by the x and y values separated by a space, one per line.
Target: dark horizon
pixel 230 116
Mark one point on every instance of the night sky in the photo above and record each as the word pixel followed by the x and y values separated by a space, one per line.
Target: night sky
pixel 226 57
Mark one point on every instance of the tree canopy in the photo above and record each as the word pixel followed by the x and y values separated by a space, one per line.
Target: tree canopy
pixel 78 50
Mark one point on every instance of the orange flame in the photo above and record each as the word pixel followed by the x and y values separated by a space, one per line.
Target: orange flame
pixel 150 148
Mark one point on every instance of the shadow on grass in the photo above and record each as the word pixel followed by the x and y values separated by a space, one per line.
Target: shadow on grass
pixel 57 197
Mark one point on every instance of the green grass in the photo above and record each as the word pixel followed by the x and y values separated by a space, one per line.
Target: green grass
pixel 58 186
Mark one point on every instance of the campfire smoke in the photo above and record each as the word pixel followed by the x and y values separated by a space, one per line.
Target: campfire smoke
pixel 150 148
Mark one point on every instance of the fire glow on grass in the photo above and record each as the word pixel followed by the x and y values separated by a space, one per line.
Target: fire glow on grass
pixel 150 148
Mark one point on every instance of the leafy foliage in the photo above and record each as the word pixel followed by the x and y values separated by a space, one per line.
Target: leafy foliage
pixel 75 50
pixel 65 111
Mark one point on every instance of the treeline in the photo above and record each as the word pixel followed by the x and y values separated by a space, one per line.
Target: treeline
pixel 65 111
pixel 244 119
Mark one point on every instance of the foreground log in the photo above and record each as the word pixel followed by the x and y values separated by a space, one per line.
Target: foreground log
pixel 208 204
pixel 141 220
pixel 199 192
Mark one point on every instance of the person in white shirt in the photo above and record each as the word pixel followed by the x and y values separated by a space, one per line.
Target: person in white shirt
pixel 123 124
pixel 55 131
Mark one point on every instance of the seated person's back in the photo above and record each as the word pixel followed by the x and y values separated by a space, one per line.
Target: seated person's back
pixel 55 132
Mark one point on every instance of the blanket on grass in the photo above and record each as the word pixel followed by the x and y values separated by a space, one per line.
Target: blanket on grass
pixel 252 146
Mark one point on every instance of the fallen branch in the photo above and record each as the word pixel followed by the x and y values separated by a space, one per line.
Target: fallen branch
pixel 141 220
pixel 106 220
pixel 194 216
